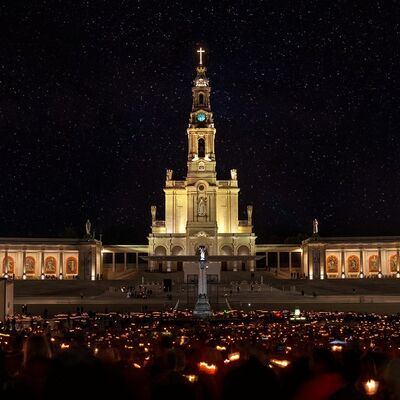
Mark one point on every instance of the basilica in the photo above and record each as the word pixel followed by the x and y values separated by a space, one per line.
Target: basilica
pixel 201 211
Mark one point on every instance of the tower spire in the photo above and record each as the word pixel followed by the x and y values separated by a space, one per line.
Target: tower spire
pixel 201 131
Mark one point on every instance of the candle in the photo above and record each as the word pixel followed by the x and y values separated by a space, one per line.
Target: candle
pixel 371 387
pixel 209 369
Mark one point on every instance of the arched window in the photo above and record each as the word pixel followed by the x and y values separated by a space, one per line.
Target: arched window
pixel 201 148
pixel 201 99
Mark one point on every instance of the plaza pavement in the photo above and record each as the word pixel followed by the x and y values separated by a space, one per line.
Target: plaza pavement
pixel 381 296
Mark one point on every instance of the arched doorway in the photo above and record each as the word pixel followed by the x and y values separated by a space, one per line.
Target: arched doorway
pixel 160 251
pixel 226 251
pixel 177 251
pixel 243 251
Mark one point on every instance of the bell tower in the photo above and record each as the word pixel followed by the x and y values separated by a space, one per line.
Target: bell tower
pixel 201 131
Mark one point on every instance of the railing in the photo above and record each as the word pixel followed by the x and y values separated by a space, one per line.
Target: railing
pixel 223 183
pixel 227 184
pixel 159 223
pixel 175 184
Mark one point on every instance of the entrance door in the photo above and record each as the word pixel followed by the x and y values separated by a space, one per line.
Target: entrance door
pixel 167 285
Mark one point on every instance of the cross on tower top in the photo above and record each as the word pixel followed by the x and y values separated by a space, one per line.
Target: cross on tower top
pixel 201 51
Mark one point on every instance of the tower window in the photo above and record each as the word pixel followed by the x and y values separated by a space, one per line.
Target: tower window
pixel 201 98
pixel 201 148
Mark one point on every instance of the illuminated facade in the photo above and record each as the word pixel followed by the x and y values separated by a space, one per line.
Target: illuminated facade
pixel 52 258
pixel 201 210
pixel 351 257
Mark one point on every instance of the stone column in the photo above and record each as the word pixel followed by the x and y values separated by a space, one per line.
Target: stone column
pixel 251 265
pixel 113 261
pixel 94 263
pixel 23 264
pixel 266 260
pixel 380 263
pixel 397 263
pixel 61 265
pixel 384 263
pixel 361 264
pixel 202 307
pixel 310 264
pixel 137 261
pixel 5 263
pixel 42 265
pixel 322 263
pixel 343 264
pixel 290 264
pixel 125 262
pixel 278 266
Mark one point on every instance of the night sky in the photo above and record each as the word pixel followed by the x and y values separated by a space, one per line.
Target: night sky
pixel 95 99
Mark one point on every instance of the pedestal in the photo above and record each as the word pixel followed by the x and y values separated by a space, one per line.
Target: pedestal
pixel 202 308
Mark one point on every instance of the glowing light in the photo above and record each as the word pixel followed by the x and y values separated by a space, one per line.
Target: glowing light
pixel 182 340
pixel 64 346
pixel 220 348
pixel 209 369
pixel 136 365
pixel 280 363
pixel 191 378
pixel 336 348
pixel 371 387
pixel 234 356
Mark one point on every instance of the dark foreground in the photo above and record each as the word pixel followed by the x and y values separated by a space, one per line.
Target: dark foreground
pixel 234 355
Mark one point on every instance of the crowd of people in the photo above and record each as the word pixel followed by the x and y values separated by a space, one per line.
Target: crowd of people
pixel 234 355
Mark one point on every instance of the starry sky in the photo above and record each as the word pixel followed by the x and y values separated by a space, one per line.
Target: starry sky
pixel 95 99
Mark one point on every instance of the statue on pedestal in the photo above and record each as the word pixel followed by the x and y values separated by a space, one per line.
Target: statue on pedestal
pixel 233 174
pixel 202 207
pixel 249 214
pixel 169 174
pixel 315 227
pixel 88 227
pixel 153 210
